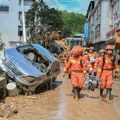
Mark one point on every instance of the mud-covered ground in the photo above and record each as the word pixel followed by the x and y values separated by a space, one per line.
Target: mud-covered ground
pixel 59 104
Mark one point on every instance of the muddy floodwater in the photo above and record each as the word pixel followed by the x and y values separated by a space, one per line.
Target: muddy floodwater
pixel 59 104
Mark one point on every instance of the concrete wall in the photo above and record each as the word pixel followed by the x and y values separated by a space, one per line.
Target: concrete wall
pixel 4 26
pixel 9 22
pixel 104 19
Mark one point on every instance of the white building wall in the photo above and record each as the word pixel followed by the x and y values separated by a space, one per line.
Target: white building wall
pixel 104 19
pixel 9 22
pixel 4 26
pixel 13 20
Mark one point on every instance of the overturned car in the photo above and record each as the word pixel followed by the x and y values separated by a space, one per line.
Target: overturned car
pixel 31 66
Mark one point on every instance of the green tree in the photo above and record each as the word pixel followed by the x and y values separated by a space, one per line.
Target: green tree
pixel 40 19
pixel 73 21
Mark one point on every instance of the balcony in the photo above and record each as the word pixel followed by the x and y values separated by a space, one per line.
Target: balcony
pixel 4 8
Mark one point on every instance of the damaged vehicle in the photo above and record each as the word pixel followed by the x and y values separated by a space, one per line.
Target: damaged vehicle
pixel 31 66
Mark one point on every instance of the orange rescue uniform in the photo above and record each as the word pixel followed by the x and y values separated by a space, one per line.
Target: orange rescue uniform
pixel 78 70
pixel 93 56
pixel 98 59
pixel 105 71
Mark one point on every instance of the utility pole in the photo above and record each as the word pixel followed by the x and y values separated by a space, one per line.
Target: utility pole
pixel 23 22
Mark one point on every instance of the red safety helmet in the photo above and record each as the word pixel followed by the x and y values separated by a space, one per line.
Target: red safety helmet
pixel 109 47
pixel 75 50
pixel 92 48
pixel 80 49
pixel 101 51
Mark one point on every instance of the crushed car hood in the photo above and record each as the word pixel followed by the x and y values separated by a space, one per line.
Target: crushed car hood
pixel 21 62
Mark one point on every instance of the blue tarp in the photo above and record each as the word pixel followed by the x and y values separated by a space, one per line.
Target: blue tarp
pixel 86 29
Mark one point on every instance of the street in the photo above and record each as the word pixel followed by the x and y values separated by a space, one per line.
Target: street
pixel 59 104
pixel 41 42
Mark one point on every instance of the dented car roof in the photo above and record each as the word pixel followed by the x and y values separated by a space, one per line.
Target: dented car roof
pixel 15 58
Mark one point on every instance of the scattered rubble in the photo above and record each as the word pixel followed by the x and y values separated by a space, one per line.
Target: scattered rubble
pixel 7 111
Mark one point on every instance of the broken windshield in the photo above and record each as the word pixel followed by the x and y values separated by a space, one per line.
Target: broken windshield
pixel 35 57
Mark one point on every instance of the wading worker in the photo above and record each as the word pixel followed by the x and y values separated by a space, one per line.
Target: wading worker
pixel 92 59
pixel 105 72
pixel 78 70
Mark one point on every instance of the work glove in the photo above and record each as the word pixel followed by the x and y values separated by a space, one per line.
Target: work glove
pixel 116 75
pixel 95 73
pixel 63 74
pixel 91 69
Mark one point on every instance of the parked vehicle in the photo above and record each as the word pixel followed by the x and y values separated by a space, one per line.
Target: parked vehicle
pixel 31 66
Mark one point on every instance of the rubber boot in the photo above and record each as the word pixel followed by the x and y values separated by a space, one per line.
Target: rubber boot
pixel 101 92
pixel 77 90
pixel 108 91
pixel 69 76
pixel 76 93
pixel 73 90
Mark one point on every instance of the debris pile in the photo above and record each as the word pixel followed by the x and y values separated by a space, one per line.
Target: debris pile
pixel 7 111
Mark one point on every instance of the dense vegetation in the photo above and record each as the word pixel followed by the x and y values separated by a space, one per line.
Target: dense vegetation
pixel 73 21
pixel 40 19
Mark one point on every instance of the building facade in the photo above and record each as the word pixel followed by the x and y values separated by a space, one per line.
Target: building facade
pixel 101 21
pixel 11 29
pixel 114 20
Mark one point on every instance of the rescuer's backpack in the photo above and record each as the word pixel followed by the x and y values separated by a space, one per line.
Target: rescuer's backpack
pixel 112 60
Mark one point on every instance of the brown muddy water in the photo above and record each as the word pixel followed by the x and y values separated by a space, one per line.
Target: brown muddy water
pixel 59 104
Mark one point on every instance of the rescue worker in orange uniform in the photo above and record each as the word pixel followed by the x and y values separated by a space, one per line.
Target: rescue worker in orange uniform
pixel 86 55
pixel 98 59
pixel 78 70
pixel 65 58
pixel 92 58
pixel 105 72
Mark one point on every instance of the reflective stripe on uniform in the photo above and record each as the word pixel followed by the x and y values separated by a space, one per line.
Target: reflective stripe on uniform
pixel 106 61
pixel 89 65
pixel 99 70
pixel 73 61
pixel 64 69
pixel 116 69
pixel 84 71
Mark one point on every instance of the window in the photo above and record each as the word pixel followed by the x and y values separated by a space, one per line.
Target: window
pixel 117 5
pixel 99 11
pixel 28 2
pixel 20 16
pixel 20 2
pixel 97 30
pixel 27 33
pixel 20 31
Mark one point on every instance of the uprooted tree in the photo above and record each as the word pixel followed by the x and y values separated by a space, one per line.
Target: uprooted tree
pixel 43 22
